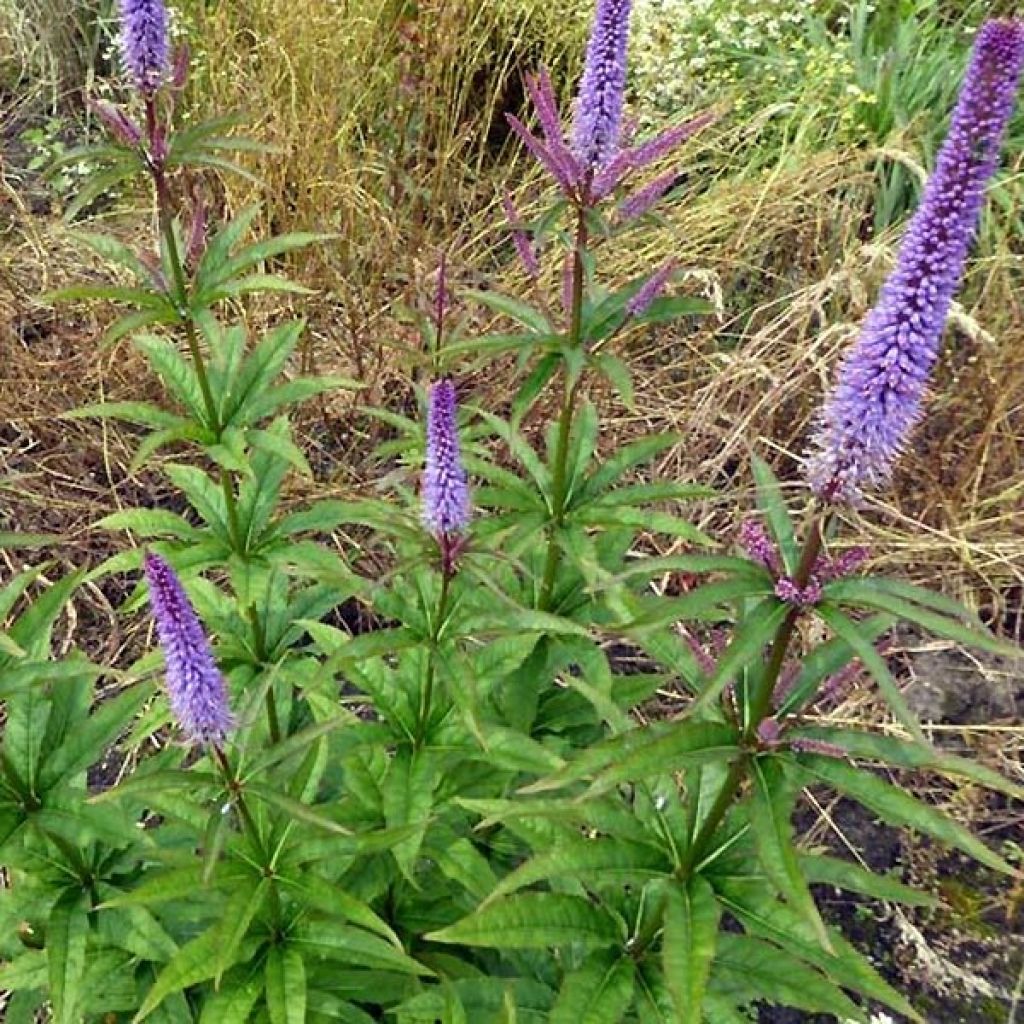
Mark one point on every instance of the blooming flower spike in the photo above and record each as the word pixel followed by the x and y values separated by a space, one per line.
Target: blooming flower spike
pixel 195 687
pixel 882 381
pixel 144 42
pixel 445 490
pixel 597 127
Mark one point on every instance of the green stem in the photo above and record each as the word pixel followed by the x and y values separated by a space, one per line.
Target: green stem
pixel 249 826
pixel 259 635
pixel 760 709
pixel 427 693
pixel 165 215
pixel 559 469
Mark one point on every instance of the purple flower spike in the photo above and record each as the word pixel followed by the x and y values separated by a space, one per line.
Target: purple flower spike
pixel 641 201
pixel 598 123
pixel 882 380
pixel 525 250
pixel 196 689
pixel 145 47
pixel 445 492
pixel 650 289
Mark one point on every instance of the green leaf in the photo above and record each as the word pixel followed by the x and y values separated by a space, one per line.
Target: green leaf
pixel 241 909
pixel 323 895
pixel 905 754
pixel 295 809
pixel 862 593
pixel 744 965
pixel 66 932
pixel 518 311
pixel 233 1003
pixel 599 992
pixel 641 753
pixel 196 961
pixel 294 744
pixel 332 938
pixel 286 986
pixel 771 811
pixel 821 870
pixel 614 861
pixel 898 807
pixel 535 920
pixel 692 916
pixel 150 523
pixel 846 629
pixel 772 504
pixel 758 628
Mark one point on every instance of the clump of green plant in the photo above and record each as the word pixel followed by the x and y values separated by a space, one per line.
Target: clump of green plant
pixel 453 816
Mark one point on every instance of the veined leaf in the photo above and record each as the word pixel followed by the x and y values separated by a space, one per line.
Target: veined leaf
pixel 535 920
pixel 614 861
pixel 640 753
pixel 692 916
pixel 758 628
pixel 599 992
pixel 286 986
pixel 66 932
pixel 898 807
pixel 846 629
pixel 341 941
pixel 233 1003
pixel 862 593
pixel 744 964
pixel 519 311
pixel 328 898
pixel 194 962
pixel 821 870
pixel 771 810
pixel 905 754
pixel 773 506
pixel 295 809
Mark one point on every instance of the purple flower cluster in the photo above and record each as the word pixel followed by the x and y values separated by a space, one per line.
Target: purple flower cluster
pixel 598 159
pixel 598 123
pixel 195 687
pixel 144 41
pixel 882 381
pixel 445 491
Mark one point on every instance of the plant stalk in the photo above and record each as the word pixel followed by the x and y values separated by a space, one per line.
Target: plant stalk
pixel 427 693
pixel 760 709
pixel 559 469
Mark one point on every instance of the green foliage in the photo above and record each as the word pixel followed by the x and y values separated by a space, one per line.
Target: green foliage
pixel 455 814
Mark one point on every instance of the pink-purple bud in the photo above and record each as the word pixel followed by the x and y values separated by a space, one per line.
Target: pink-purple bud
pixel 650 289
pixel 524 249
pixel 117 122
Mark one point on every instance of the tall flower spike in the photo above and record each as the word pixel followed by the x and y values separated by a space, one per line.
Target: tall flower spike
pixel 445 492
pixel 196 689
pixel 882 380
pixel 144 42
pixel 598 122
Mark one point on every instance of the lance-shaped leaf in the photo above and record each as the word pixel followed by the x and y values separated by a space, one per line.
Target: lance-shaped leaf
pixel 692 916
pixel 771 810
pixel 66 932
pixel 599 992
pixel 897 807
pixel 640 753
pixel 535 920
